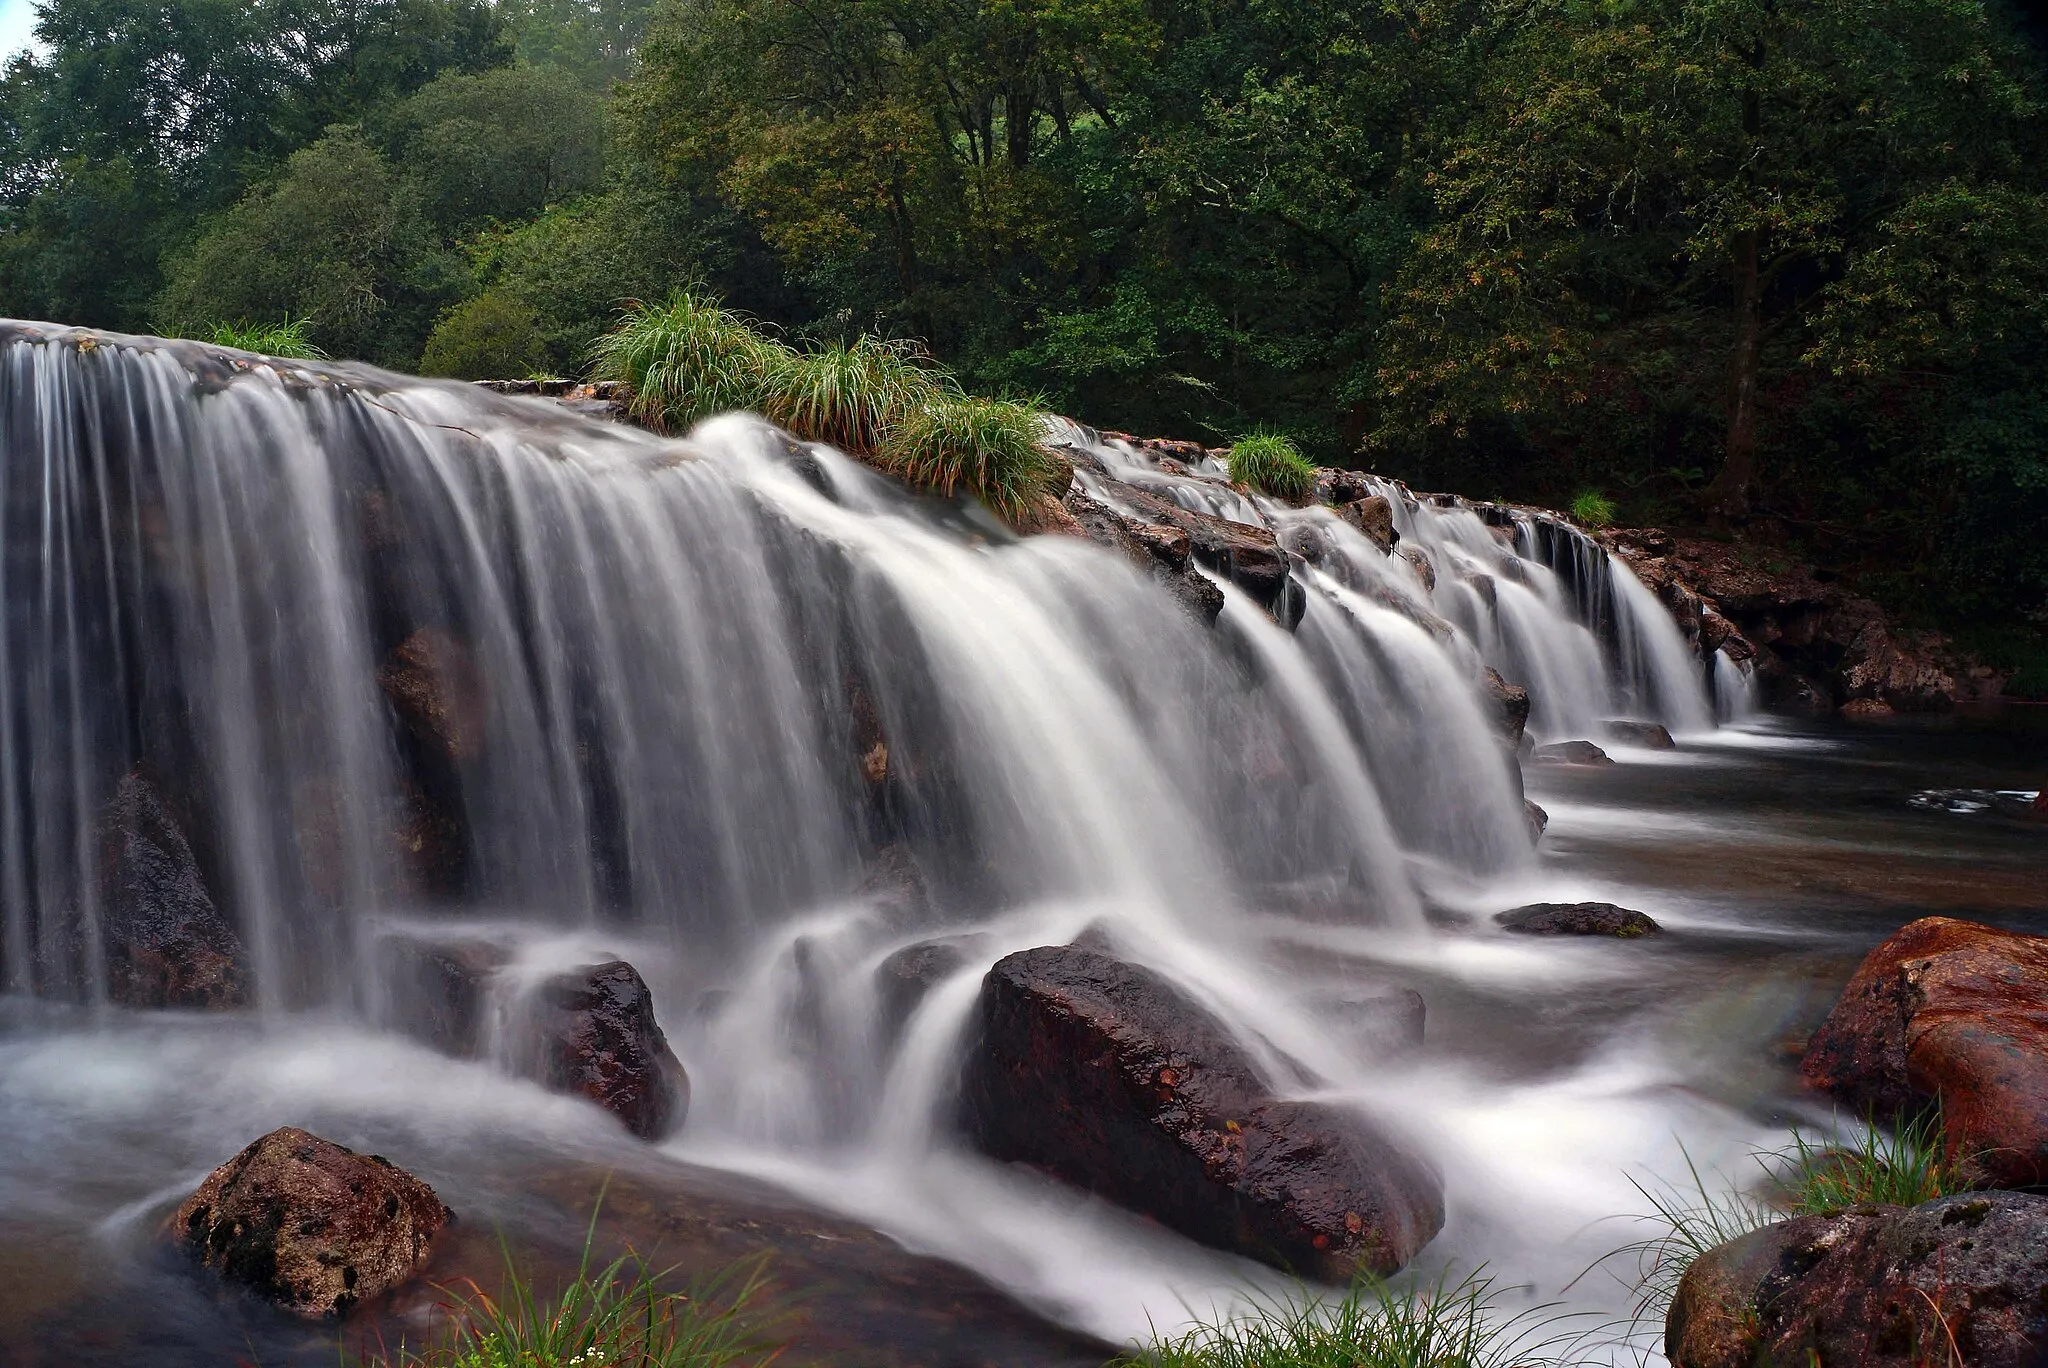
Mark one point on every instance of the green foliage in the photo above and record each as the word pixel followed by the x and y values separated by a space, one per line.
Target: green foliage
pixel 853 396
pixel 501 144
pixel 1591 508
pixel 1902 1167
pixel 990 448
pixel 286 339
pixel 688 359
pixel 491 337
pixel 1271 463
pixel 1374 1325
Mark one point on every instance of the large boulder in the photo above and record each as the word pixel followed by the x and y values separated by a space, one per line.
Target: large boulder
pixel 1374 517
pixel 1951 1012
pixel 1577 919
pixel 1648 735
pixel 1102 1073
pixel 308 1225
pixel 165 943
pixel 597 1036
pixel 1957 1282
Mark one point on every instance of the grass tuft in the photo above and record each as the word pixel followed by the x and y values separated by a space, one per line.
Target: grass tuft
pixel 1435 1325
pixel 991 448
pixel 287 340
pixel 1591 508
pixel 1271 463
pixel 688 359
pixel 852 396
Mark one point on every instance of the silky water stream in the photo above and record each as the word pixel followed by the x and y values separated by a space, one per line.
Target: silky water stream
pixel 672 667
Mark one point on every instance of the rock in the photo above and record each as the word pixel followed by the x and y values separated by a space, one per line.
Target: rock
pixel 1389 1020
pixel 1957 1281
pixel 1577 919
pixel 1649 735
pixel 308 1225
pixel 1867 707
pixel 1509 710
pixel 1043 515
pixel 1570 753
pixel 903 978
pixel 165 943
pixel 1102 1073
pixel 1425 569
pixel 435 687
pixel 597 1036
pixel 1958 1012
pixel 1162 551
pixel 1539 820
pixel 437 990
pixel 1340 487
pixel 1373 516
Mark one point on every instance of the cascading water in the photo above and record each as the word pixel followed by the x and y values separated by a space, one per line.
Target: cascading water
pixel 406 657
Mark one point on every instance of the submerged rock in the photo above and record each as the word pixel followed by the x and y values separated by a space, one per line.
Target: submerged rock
pixel 903 978
pixel 597 1036
pixel 1571 753
pixel 437 690
pixel 436 990
pixel 308 1225
pixel 165 943
pixel 1577 919
pixel 1510 706
pixel 1104 1074
pixel 1539 820
pixel 1954 1012
pixel 1957 1281
pixel 1649 735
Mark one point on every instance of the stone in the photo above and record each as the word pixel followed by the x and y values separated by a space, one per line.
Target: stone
pixel 1957 1281
pixel 1425 569
pixel 165 943
pixel 1509 710
pixel 1867 707
pixel 1105 1075
pixel 435 687
pixel 1340 487
pixel 436 991
pixel 906 976
pixel 1577 919
pixel 597 1036
pixel 1539 820
pixel 1570 753
pixel 1389 1020
pixel 1162 551
pixel 1952 1011
pixel 308 1225
pixel 1374 517
pixel 1648 735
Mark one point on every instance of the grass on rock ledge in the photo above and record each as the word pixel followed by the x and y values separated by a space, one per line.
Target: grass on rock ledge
pixel 880 401
pixel 1272 464
pixel 288 340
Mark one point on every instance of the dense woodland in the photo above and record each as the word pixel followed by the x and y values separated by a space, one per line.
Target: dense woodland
pixel 1774 265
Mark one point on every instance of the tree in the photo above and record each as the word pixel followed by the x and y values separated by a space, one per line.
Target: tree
pixel 502 144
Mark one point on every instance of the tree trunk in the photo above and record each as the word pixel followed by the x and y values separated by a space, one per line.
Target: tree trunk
pixel 1729 495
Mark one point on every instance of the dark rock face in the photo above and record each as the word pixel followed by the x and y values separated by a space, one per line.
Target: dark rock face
pixel 1161 550
pixel 1649 735
pixel 1958 1281
pixel 904 978
pixel 1373 516
pixel 1510 706
pixel 1539 820
pixel 438 989
pixel 598 1037
pixel 1577 919
pixel 1954 1011
pixel 165 942
pixel 1249 557
pixel 435 687
pixel 1571 753
pixel 1104 1074
pixel 311 1226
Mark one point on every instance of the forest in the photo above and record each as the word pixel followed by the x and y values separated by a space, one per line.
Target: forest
pixel 1771 267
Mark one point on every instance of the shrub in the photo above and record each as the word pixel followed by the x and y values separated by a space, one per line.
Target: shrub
pixel 991 448
pixel 1271 463
pixel 688 359
pixel 286 340
pixel 1439 1325
pixel 852 396
pixel 491 337
pixel 1591 508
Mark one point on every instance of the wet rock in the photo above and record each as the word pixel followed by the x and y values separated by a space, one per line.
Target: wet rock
pixel 1577 919
pixel 1509 709
pixel 1958 1012
pixel 1570 753
pixel 437 990
pixel 904 978
pixel 1161 550
pixel 165 943
pixel 1104 1074
pixel 1539 820
pixel 2039 807
pixel 1388 1020
pixel 435 687
pixel 1866 708
pixel 597 1036
pixel 1424 567
pixel 1649 735
pixel 1249 557
pixel 1373 516
pixel 1340 487
pixel 1957 1281
pixel 308 1225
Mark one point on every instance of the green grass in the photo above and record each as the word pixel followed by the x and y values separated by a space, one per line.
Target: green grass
pixel 1272 464
pixel 990 448
pixel 617 1316
pixel 287 340
pixel 688 359
pixel 854 396
pixel 1591 508
pixel 1374 1325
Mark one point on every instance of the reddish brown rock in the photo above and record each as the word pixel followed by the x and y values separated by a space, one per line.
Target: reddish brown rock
pixel 1105 1075
pixel 164 941
pixel 1649 735
pixel 1510 706
pixel 598 1037
pixel 1954 1012
pixel 1956 1282
pixel 308 1225
pixel 436 688
pixel 1373 516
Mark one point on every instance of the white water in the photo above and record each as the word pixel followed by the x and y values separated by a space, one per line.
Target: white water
pixel 206 561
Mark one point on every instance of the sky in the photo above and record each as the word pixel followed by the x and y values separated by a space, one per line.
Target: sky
pixel 17 25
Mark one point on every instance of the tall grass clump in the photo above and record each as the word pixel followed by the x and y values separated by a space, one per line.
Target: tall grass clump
pixel 1438 1325
pixel 991 448
pixel 1271 463
pixel 852 396
pixel 688 359
pixel 288 340
pixel 1591 508
pixel 617 1316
